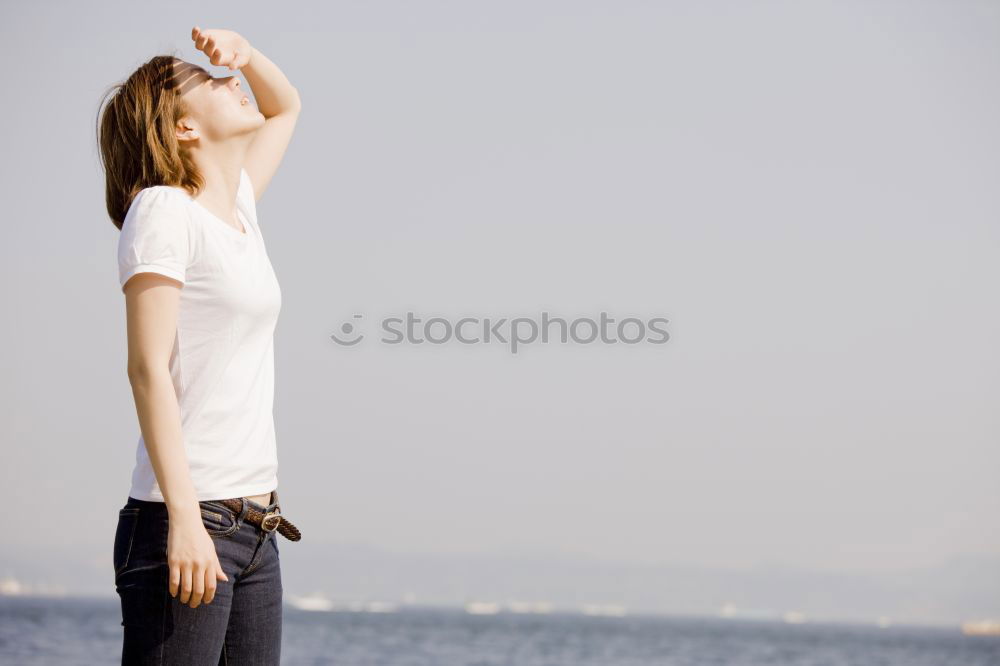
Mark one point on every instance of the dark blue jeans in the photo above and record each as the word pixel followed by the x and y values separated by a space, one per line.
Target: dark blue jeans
pixel 242 624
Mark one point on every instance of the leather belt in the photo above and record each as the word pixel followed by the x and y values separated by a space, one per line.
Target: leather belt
pixel 269 522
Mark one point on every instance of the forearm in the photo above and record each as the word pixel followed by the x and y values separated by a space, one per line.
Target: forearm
pixel 160 423
pixel 271 89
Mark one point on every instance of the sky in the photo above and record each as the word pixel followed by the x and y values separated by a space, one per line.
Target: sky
pixel 805 191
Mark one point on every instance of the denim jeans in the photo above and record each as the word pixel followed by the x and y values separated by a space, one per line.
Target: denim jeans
pixel 242 624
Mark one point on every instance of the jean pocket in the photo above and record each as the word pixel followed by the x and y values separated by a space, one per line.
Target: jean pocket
pixel 218 519
pixel 128 518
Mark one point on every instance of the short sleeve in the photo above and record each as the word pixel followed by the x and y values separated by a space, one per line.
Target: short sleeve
pixel 154 236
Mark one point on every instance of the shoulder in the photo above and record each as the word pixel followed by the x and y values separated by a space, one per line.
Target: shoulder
pixel 159 204
pixel 245 196
pixel 158 215
pixel 155 236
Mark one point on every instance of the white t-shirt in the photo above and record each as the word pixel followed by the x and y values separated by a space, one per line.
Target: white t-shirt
pixel 222 363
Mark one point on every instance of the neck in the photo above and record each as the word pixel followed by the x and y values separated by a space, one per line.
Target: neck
pixel 220 167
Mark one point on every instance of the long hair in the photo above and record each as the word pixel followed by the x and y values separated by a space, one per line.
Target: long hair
pixel 136 136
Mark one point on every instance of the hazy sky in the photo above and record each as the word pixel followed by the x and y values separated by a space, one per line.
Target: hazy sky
pixel 807 191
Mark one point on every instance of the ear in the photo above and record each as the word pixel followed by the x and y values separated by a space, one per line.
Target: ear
pixel 185 132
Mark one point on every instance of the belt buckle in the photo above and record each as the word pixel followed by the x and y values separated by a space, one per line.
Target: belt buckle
pixel 270 515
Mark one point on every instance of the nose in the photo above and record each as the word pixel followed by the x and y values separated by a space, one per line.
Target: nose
pixel 234 83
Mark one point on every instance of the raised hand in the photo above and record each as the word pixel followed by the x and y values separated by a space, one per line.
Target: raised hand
pixel 223 47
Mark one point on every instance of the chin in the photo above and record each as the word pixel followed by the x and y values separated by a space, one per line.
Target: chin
pixel 251 124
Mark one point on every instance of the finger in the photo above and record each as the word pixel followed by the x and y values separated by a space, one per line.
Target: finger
pixel 219 573
pixel 175 579
pixel 198 586
pixel 185 584
pixel 209 586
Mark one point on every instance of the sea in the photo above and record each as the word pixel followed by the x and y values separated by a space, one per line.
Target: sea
pixel 76 630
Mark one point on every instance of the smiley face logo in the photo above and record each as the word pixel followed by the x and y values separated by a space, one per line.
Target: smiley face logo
pixel 347 328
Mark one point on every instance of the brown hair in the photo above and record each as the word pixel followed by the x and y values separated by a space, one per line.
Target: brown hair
pixel 136 137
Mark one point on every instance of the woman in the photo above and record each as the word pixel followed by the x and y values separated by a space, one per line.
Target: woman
pixel 186 157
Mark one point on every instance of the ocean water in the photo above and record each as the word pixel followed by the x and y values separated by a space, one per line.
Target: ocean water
pixel 45 631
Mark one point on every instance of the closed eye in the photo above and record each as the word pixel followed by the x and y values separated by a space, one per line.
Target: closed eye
pixel 188 77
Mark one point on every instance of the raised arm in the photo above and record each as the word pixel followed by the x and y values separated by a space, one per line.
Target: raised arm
pixel 277 100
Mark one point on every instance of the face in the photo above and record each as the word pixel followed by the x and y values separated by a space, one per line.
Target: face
pixel 217 107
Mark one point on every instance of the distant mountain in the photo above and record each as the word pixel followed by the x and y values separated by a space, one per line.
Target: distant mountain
pixel 960 589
